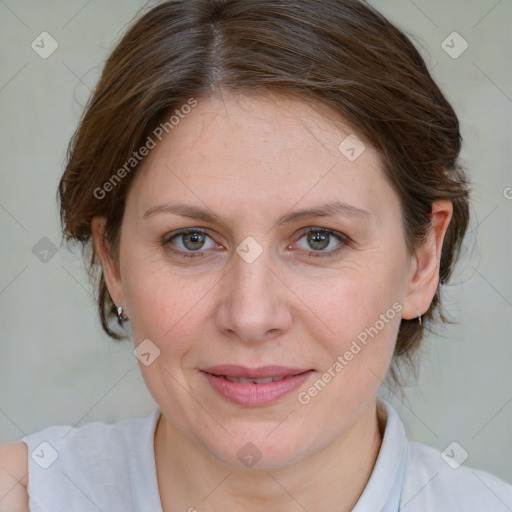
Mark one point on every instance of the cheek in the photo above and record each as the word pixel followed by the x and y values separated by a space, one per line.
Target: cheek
pixel 353 299
pixel 356 358
pixel 360 314
pixel 164 305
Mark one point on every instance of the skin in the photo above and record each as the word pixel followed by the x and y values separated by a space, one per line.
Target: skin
pixel 13 477
pixel 250 160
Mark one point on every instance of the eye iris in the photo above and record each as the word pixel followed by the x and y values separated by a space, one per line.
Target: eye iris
pixel 318 237
pixel 194 238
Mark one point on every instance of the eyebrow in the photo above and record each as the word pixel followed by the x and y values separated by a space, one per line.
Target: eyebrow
pixel 332 209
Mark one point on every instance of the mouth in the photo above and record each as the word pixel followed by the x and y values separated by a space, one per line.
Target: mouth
pixel 260 375
pixel 255 386
pixel 266 380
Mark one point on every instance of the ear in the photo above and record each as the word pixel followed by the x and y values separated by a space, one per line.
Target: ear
pixel 109 266
pixel 424 271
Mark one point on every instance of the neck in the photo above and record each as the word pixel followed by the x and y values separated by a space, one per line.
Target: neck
pixel 331 480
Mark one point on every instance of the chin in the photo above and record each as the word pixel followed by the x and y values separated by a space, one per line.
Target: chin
pixel 259 451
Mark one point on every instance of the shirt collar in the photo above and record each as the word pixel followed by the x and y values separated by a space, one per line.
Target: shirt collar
pixel 384 488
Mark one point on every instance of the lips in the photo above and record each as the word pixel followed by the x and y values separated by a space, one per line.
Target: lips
pixel 255 387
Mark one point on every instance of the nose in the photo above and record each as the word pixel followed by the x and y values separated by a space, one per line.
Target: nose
pixel 254 301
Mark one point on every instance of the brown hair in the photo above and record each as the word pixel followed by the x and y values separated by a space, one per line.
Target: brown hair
pixel 341 56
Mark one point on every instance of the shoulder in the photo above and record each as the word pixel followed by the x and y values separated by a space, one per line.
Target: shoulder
pixel 434 482
pixel 89 442
pixel 69 466
pixel 13 477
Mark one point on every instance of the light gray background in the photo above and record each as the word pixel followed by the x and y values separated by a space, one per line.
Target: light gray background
pixel 56 365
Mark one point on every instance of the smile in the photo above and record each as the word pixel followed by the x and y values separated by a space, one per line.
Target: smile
pixel 254 387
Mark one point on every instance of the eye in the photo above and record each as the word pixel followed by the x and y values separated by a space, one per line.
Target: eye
pixel 320 239
pixel 192 240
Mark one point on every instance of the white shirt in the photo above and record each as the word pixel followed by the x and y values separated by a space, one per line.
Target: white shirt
pixel 111 468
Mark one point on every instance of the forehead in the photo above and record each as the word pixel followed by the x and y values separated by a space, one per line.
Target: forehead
pixel 246 151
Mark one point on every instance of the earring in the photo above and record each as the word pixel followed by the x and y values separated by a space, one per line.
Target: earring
pixel 419 319
pixel 120 317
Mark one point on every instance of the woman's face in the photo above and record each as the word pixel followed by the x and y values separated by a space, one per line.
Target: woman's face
pixel 252 291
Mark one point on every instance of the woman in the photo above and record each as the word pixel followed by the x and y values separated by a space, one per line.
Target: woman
pixel 272 198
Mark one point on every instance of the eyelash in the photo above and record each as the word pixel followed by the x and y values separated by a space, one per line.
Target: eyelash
pixel 343 239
